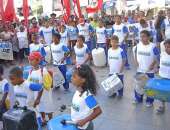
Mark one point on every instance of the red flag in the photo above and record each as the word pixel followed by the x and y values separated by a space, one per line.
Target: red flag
pixel 66 8
pixel 9 14
pixel 91 10
pixel 95 9
pixel 77 9
pixel 1 10
pixel 25 11
pixel 100 4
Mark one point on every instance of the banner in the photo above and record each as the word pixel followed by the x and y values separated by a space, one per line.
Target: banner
pixel 6 52
pixel 121 6
pixel 95 9
pixel 9 14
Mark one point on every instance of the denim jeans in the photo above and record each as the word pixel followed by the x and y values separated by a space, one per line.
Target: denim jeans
pixel 63 70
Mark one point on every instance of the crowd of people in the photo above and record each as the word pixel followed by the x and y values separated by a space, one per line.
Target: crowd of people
pixel 72 43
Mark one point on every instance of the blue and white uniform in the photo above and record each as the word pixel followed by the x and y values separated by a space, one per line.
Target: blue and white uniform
pixel 101 35
pixel 72 32
pixel 166 26
pixel 140 29
pixel 81 54
pixel 115 60
pixel 46 103
pixel 58 52
pixel 24 96
pixel 133 32
pixel 22 39
pixel 85 30
pixel 120 31
pixel 38 48
pixel 82 107
pixel 109 32
pixel 101 38
pixel 145 55
pixel 164 70
pixel 153 31
pixel 47 33
pixel 64 38
pixel 6 88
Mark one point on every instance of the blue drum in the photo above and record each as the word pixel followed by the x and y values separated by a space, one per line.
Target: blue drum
pixel 55 123
pixel 68 61
pixel 159 89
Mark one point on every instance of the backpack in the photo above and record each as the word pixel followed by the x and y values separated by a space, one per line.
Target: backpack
pixel 47 79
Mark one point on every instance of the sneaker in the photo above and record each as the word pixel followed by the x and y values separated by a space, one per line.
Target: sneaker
pixel 148 105
pixel 160 110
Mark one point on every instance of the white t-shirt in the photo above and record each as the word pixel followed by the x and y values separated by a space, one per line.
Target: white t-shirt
pixel 101 35
pixel 115 60
pixel 167 28
pixel 22 39
pixel 146 54
pixel 140 29
pixel 131 29
pixel 84 30
pixel 6 88
pixel 73 32
pixel 46 103
pixel 81 54
pixel 162 46
pixel 64 38
pixel 164 70
pixel 58 53
pixel 23 94
pixel 46 33
pixel 35 47
pixel 82 106
pixel 120 31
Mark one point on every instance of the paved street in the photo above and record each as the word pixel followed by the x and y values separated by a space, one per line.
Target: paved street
pixel 118 114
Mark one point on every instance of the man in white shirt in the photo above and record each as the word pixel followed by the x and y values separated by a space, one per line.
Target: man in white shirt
pixel 46 33
pixel 121 31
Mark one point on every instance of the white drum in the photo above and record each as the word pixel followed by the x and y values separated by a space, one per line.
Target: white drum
pixel 48 57
pixel 140 81
pixel 99 57
pixel 112 84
